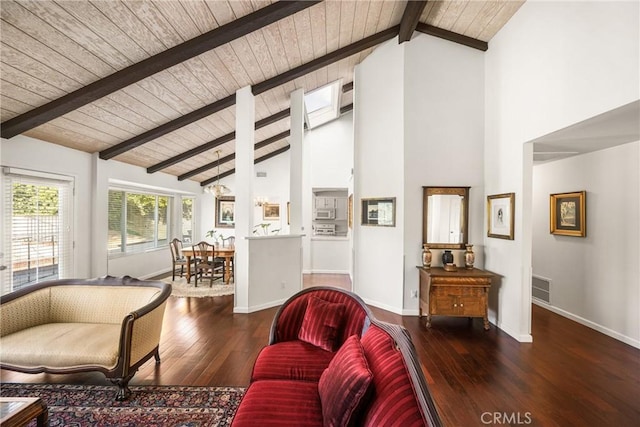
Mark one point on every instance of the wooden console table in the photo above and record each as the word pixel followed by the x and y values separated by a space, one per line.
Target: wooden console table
pixel 462 293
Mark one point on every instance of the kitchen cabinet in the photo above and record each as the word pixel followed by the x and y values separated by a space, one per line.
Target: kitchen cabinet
pixel 341 208
pixel 325 202
pixel 462 293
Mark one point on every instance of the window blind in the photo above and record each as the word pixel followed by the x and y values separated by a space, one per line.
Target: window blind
pixel 37 235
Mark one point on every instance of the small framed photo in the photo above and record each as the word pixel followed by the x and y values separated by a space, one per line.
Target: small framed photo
pixel 225 211
pixel 270 211
pixel 568 216
pixel 379 212
pixel 500 208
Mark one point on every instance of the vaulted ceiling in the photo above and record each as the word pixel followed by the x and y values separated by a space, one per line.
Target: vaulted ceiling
pixel 152 83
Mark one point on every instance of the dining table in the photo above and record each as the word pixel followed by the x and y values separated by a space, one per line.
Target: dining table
pixel 226 252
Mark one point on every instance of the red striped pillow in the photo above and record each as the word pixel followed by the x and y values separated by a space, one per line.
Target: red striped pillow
pixel 321 324
pixel 344 384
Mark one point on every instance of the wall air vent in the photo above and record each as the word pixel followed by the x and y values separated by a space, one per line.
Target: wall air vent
pixel 261 174
pixel 541 288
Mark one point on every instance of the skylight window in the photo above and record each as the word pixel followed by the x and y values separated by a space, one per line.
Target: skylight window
pixel 321 105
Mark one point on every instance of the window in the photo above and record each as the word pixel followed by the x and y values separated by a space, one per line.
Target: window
pixel 37 238
pixel 188 220
pixel 321 105
pixel 138 221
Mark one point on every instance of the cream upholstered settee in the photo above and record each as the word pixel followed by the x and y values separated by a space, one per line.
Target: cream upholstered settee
pixel 108 324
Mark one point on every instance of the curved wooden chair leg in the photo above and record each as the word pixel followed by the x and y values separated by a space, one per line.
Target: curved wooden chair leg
pixel 123 387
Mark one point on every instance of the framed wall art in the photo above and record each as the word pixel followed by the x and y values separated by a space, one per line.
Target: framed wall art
pixel 568 215
pixel 379 212
pixel 270 211
pixel 225 211
pixel 350 211
pixel 500 208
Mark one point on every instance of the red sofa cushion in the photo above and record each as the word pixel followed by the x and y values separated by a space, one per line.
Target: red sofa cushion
pixel 393 402
pixel 280 403
pixel 344 384
pixel 290 319
pixel 296 360
pixel 322 323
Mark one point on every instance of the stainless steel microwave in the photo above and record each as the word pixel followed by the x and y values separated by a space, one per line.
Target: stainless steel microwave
pixel 325 213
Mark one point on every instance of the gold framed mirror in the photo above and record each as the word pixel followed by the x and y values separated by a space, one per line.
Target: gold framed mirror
pixel 445 217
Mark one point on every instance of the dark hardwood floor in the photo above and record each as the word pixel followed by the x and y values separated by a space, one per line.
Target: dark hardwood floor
pixel 569 376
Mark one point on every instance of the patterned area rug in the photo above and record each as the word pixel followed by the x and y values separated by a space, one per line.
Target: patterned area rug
pixel 183 289
pixel 149 406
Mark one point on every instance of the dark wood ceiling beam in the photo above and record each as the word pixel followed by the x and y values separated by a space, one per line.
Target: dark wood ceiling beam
pixel 174 124
pixel 256 161
pixel 273 118
pixel 453 37
pixel 410 18
pixel 206 167
pixel 231 157
pixel 191 153
pixel 143 69
pixel 325 60
pixel 216 142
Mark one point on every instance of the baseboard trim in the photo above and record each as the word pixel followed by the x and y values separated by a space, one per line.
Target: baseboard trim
pixel 588 323
pixel 411 312
pixel 523 338
pixel 377 304
pixel 254 308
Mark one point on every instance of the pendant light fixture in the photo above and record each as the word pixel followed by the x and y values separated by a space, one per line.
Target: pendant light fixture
pixel 217 189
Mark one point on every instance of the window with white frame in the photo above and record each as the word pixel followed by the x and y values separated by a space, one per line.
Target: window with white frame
pixel 188 219
pixel 322 104
pixel 36 234
pixel 138 221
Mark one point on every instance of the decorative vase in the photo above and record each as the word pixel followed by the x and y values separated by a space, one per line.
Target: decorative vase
pixel 469 257
pixel 426 256
pixel 447 257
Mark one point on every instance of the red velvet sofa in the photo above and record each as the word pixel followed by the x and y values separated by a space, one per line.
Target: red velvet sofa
pixel 330 362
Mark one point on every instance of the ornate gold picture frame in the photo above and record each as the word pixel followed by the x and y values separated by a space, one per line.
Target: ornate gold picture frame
pixel 568 214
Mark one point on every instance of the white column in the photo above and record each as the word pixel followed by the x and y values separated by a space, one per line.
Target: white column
pixel 245 139
pixel 296 156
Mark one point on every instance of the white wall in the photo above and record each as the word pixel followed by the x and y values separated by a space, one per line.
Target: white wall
pixel 146 264
pixel 444 140
pixel 595 280
pixel 418 122
pixel 547 69
pixel 378 172
pixel 274 187
pixel 331 147
pixel 92 178
pixel 331 158
pixel 33 154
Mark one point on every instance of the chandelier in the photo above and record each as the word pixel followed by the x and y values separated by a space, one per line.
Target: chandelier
pixel 217 189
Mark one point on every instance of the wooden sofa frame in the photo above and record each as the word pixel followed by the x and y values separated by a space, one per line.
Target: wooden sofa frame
pixel 125 368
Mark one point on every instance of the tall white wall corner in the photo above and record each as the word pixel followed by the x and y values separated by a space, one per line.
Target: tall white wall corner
pixel 296 161
pixel 245 140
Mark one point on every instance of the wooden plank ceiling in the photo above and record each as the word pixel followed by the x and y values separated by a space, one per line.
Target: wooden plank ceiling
pixel 50 49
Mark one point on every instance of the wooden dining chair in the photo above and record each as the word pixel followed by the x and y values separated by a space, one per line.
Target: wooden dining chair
pixel 207 266
pixel 177 258
pixel 230 242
